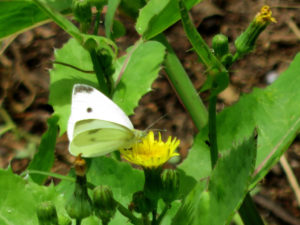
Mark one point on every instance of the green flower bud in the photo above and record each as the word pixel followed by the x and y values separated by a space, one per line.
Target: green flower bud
pixel 46 213
pixel 220 45
pixel 79 205
pixel 141 204
pixel 83 13
pixel 170 182
pixel 246 41
pixel 104 203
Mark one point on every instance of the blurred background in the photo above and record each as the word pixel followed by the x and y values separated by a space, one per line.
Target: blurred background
pixel 24 89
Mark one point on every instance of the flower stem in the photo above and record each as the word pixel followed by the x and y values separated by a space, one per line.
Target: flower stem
pixel 96 26
pixel 125 212
pixel 154 213
pixel 99 73
pixel 163 213
pixel 212 130
pixel 145 220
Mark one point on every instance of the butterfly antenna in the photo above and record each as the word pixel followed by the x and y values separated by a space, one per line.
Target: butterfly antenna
pixel 160 130
pixel 156 121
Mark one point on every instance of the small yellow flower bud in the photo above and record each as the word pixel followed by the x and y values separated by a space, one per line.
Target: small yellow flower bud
pixel 246 41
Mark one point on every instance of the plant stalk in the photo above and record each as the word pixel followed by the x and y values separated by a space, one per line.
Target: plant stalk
pixel 99 73
pixel 212 130
pixel 78 221
pixel 154 213
pixel 163 213
pixel 125 212
pixel 96 25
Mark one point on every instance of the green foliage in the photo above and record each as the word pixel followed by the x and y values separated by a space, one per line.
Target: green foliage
pixel 210 196
pixel 137 71
pixel 19 199
pixel 214 200
pixel 18 16
pixel 158 15
pixel 44 158
pixel 109 17
pixel 273 110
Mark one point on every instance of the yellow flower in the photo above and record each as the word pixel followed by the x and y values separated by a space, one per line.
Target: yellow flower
pixel 265 16
pixel 151 153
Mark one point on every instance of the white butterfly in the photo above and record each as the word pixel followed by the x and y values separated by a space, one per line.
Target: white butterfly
pixel 98 126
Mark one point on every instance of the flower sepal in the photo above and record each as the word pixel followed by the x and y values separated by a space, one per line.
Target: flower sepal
pixel 170 183
pixel 104 204
pixel 46 213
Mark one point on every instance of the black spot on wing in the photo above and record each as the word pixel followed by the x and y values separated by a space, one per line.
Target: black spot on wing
pixel 89 109
pixel 83 88
pixel 94 131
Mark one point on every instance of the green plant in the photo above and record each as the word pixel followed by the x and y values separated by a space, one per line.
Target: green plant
pixel 213 181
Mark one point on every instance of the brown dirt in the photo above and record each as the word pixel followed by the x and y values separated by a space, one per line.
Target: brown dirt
pixel 24 85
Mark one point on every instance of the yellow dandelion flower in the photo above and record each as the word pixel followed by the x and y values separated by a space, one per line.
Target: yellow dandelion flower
pixel 151 153
pixel 265 15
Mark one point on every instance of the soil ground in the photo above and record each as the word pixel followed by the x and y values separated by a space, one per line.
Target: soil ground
pixel 24 85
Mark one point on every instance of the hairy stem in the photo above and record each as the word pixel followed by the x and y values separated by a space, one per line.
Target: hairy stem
pixel 212 130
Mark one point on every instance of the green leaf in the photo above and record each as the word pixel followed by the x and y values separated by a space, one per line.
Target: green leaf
pixel 118 29
pixel 158 15
pixel 137 76
pixel 18 16
pixel 109 17
pixel 226 188
pixel 19 199
pixel 274 111
pixel 140 71
pixel 183 86
pixel 61 21
pixel 44 158
pixel 131 7
pixel 63 78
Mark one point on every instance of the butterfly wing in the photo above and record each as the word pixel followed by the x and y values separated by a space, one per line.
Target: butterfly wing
pixel 97 137
pixel 89 103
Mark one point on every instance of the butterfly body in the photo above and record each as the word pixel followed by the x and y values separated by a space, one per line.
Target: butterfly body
pixel 98 126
